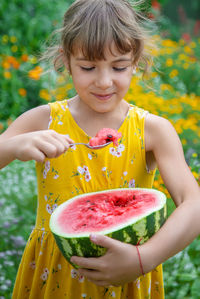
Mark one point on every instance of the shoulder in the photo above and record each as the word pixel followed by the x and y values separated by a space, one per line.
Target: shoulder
pixel 159 132
pixel 35 119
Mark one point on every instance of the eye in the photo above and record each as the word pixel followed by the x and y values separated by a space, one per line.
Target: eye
pixel 87 69
pixel 119 69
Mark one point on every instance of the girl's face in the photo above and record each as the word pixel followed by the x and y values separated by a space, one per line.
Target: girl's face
pixel 102 84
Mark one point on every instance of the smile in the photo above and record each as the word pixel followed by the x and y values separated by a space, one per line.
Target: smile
pixel 103 97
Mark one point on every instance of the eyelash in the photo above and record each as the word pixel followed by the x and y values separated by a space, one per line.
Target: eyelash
pixel 88 69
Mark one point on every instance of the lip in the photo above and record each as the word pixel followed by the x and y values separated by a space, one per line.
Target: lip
pixel 103 97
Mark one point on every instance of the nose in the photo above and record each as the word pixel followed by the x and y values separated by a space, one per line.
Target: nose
pixel 103 79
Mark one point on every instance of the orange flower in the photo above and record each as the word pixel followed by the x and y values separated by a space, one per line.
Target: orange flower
pixel 1 126
pixel 24 57
pixel 35 73
pixel 13 61
pixel 22 92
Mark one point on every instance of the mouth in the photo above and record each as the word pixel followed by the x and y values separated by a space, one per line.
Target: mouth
pixel 103 97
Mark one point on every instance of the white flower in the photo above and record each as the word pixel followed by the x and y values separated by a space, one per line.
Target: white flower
pixel 125 173
pixel 45 197
pixel 45 174
pixel 90 156
pixel 56 176
pixel 49 209
pixel 85 168
pixel 103 169
pixel 112 150
pixel 46 271
pixel 83 295
pixel 80 170
pixel 81 278
pixel 118 154
pixel 47 165
pixel 132 183
pixel 113 294
pixel 74 273
pixel 87 176
pixel 121 148
pixel 44 276
pixel 32 265
pixel 60 123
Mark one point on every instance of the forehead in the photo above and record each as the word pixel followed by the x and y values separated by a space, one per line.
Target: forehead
pixel 111 52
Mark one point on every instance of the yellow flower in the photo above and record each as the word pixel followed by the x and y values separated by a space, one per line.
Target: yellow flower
pixel 182 57
pixel 181 42
pixel 5 64
pixel 44 94
pixel 195 174
pixel 194 155
pixel 33 59
pixel 5 39
pixel 186 66
pixel 188 50
pixel 9 121
pixel 173 73
pixel 35 73
pixel 169 62
pixel 13 39
pixel 22 92
pixel 14 49
pixel 184 141
pixel 169 43
pixel 7 75
pixel 193 45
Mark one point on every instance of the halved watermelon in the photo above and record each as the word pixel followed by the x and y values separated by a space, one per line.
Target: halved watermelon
pixel 128 215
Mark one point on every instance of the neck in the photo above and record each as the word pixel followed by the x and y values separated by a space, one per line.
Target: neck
pixel 91 121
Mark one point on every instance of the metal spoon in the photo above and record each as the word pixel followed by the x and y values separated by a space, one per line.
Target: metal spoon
pixel 92 147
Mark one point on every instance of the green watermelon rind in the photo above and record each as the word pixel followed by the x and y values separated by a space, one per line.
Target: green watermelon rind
pixel 139 231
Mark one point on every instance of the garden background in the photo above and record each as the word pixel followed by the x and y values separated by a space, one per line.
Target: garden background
pixel 172 90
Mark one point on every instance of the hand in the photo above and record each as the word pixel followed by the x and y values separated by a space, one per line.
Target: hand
pixel 119 265
pixel 39 145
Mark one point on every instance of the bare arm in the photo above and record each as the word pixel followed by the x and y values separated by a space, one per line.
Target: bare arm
pixel 184 223
pixel 28 138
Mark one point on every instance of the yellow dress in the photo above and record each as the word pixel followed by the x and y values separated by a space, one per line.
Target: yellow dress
pixel 43 272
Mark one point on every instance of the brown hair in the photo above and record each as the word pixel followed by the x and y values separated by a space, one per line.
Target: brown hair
pixel 93 24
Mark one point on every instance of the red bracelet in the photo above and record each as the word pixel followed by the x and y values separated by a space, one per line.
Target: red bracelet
pixel 140 261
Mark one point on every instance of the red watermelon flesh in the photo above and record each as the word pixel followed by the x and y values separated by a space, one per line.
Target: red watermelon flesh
pixel 103 211
pixel 105 135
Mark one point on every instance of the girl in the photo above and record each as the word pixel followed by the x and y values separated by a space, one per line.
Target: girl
pixel 101 44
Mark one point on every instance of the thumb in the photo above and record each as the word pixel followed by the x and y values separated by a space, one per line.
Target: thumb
pixel 103 241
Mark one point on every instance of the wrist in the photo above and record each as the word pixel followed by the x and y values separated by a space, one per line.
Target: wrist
pixel 148 258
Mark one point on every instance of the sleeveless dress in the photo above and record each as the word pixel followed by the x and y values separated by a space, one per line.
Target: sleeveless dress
pixel 43 271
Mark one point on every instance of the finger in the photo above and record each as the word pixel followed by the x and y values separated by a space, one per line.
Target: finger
pixel 104 241
pixel 87 263
pixel 64 139
pixel 51 150
pixel 36 155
